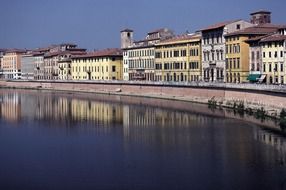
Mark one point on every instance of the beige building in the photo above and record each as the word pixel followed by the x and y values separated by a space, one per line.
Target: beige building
pixel 58 53
pixel 11 63
pixel 99 65
pixel 178 59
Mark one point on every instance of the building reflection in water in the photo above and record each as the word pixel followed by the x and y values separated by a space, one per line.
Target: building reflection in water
pixel 275 140
pixel 10 106
pixel 134 119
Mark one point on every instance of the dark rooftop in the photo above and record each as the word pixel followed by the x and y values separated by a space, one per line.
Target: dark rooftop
pixel 101 53
pixel 126 30
pixel 261 12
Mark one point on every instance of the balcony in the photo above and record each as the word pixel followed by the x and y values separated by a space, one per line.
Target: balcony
pixel 212 63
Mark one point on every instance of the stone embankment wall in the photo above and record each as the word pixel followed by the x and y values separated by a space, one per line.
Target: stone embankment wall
pixel 271 98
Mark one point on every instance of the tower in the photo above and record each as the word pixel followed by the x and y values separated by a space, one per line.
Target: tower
pixel 260 17
pixel 126 38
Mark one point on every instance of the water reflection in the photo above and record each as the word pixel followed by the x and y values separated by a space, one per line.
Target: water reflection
pixel 274 140
pixel 132 143
pixel 26 105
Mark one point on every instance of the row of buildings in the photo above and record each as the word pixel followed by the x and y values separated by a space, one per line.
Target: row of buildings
pixel 232 51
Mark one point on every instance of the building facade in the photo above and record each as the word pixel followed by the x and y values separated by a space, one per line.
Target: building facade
pixel 240 59
pixel 2 52
pixel 58 53
pixel 179 59
pixel 260 17
pixel 99 65
pixel 139 56
pixel 273 58
pixel 11 63
pixel 213 49
pixel 27 66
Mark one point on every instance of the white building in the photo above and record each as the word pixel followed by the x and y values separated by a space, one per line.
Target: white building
pixel 213 48
pixel 139 56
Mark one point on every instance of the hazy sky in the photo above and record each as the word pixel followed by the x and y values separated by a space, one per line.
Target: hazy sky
pixel 96 24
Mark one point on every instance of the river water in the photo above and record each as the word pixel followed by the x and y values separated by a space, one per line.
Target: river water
pixel 52 140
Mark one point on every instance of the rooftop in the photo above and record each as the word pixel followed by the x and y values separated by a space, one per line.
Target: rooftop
pixel 158 31
pixel 64 53
pixel 261 12
pixel 256 30
pixel 273 38
pixel 126 30
pixel 219 25
pixel 182 37
pixel 15 50
pixel 102 53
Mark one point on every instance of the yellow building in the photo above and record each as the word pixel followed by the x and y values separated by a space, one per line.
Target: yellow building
pixel 95 111
pixel 273 58
pixel 178 59
pixel 237 59
pixel 237 52
pixel 99 65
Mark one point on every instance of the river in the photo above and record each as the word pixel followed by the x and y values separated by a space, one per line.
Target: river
pixel 56 140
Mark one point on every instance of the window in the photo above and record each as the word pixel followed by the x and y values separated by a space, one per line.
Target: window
pixel 158 55
pixel 263 54
pixel 238 26
pixel 113 68
pixel 270 67
pixel 281 53
pixel 275 54
pixel 281 67
pixel 276 67
pixel 270 54
pixel 252 67
pixel 176 53
pixel 252 56
pixel 238 63
pixel 234 63
pixel 238 48
pixel 183 53
pixel 264 67
pixel 257 55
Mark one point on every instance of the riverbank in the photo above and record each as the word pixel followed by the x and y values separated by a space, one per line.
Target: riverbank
pixel 255 99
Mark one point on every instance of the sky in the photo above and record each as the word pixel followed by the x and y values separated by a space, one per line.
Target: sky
pixel 96 24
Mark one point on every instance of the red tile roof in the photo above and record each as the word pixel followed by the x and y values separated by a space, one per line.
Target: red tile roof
pixel 181 38
pixel 273 38
pixel 256 30
pixel 255 39
pixel 102 53
pixel 64 53
pixel 14 50
pixel 219 25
